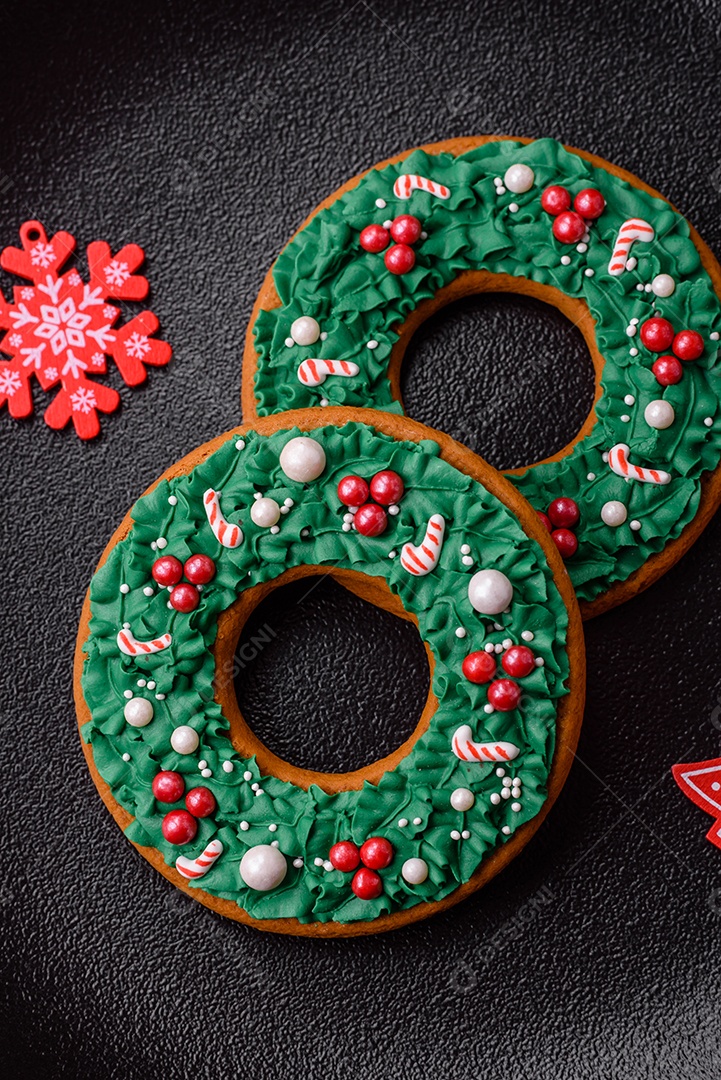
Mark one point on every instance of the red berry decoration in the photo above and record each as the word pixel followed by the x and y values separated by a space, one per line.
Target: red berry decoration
pixel 185 598
pixel 375 238
pixel 688 345
pixel 366 884
pixel 370 520
pixel 565 541
pixel 400 258
pixel 569 227
pixel 518 661
pixel 377 853
pixel 589 203
pixel 544 519
pixel 352 491
pixel 200 569
pixel 167 570
pixel 179 827
pixel 345 856
pixel 504 695
pixel 406 229
pixel 479 667
pixel 556 200
pixel 564 513
pixel 200 802
pixel 387 487
pixel 668 370
pixel 168 786
pixel 657 334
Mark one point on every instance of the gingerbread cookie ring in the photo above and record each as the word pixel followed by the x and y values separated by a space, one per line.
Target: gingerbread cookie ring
pixel 212 808
pixel 341 302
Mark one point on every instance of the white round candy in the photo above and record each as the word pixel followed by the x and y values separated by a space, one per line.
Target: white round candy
pixel 462 799
pixel 518 178
pixel 663 285
pixel 265 512
pixel 490 592
pixel 415 871
pixel 305 331
pixel 302 459
pixel 613 513
pixel 263 867
pixel 659 414
pixel 138 711
pixel 184 740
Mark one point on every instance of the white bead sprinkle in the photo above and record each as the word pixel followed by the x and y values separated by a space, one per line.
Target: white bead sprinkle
pixel 714 336
pixel 591 476
pixel 392 554
pixel 581 248
pixel 506 830
pixel 318 861
pixel 630 399
pixel 709 421
pixel 240 444
pixel 247 775
pixel 402 822
pixel 128 694
pixel 527 635
pixel 244 826
pixel 539 661
pixel 228 766
pixel 148 590
pixel 625 418
pixel 635 525
pixel 289 343
pixel 589 271
pixel 417 821
pixel 513 207
pixel 633 352
pixel 465 834
pixel 495 798
pixel 162 542
pixel 372 344
pixel 126 757
pixel 328 866
pixel 207 773
pixel 455 835
pixel 381 204
pixel 273 828
pixel 297 863
pixel 488 709
pixel 465 549
pixel 467 560
pixel 460 632
pixel 565 260
pixel 516 807
pixel 160 697
pixel 125 589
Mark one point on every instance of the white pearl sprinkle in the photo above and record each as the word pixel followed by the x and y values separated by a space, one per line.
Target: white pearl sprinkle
pixel 424 235
pixel 324 335
pixel 247 775
pixel 255 786
pixel 630 399
pixel 160 697
pixel 467 560
pixel 495 798
pixel 591 476
pixel 381 204
pixel 631 331
pixel 297 863
pixel 273 828
pixel 500 190
pixel 260 791
pixel 714 336
pixel 402 822
pixel 513 207
pixel 275 529
pixel 173 500
pixel 539 661
pixel 141 682
pixel 289 343
pixel 169 605
pixel 516 807
pixel 328 866
pixel 162 542
pixel 203 764
pixel 323 402
pixel 500 772
pixel 372 344
pixel 639 288
pixel 581 248
pixel 125 589
pixel 647 288
pixel 516 793
pixel 153 546
pixel 465 834
pixel 625 418
pixel 460 632
pixel 393 510
pixel 244 826
pixel 709 421
pixel 465 549
pixel 417 821
pixel 589 272
pixel 275 843
pixel 633 352
pixel 488 709
pixel 565 260
pixel 506 793
pixel 317 861
pixel 498 648
pixel 635 322
pixel 527 635
pixel 207 773
pixel 228 766
pixel 126 757
pixel 240 444
pixel 497 181
pixel 392 554
pixel 128 694
pixel 506 830
pixel 346 527
pixel 635 525
pixel 507 781
pixel 387 224
pixel 455 835
pixel 148 590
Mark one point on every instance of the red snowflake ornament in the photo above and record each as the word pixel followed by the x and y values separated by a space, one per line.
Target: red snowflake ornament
pixel 60 330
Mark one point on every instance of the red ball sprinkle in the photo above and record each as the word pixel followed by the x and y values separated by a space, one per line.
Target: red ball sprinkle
pixel 518 661
pixel 564 513
pixel 569 227
pixel 167 570
pixel 370 520
pixel 406 229
pixel 504 695
pixel 399 259
pixel 589 203
pixel 168 786
pixel 565 541
pixel 352 491
pixel 377 853
pixel 200 569
pixel 375 238
pixel 200 802
pixel 544 519
pixel 668 370
pixel 387 487
pixel 366 884
pixel 185 598
pixel 179 827
pixel 688 345
pixel 345 856
pixel 556 200
pixel 479 667
pixel 657 334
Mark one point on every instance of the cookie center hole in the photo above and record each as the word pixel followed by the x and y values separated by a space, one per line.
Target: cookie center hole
pixel 328 681
pixel 509 376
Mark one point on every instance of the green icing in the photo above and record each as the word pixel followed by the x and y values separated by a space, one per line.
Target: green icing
pixel 309 822
pixel 323 272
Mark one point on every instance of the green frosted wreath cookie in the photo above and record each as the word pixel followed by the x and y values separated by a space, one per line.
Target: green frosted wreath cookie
pixel 342 300
pixel 439 538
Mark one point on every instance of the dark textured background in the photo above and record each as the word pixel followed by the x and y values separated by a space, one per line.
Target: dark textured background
pixel 206 133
